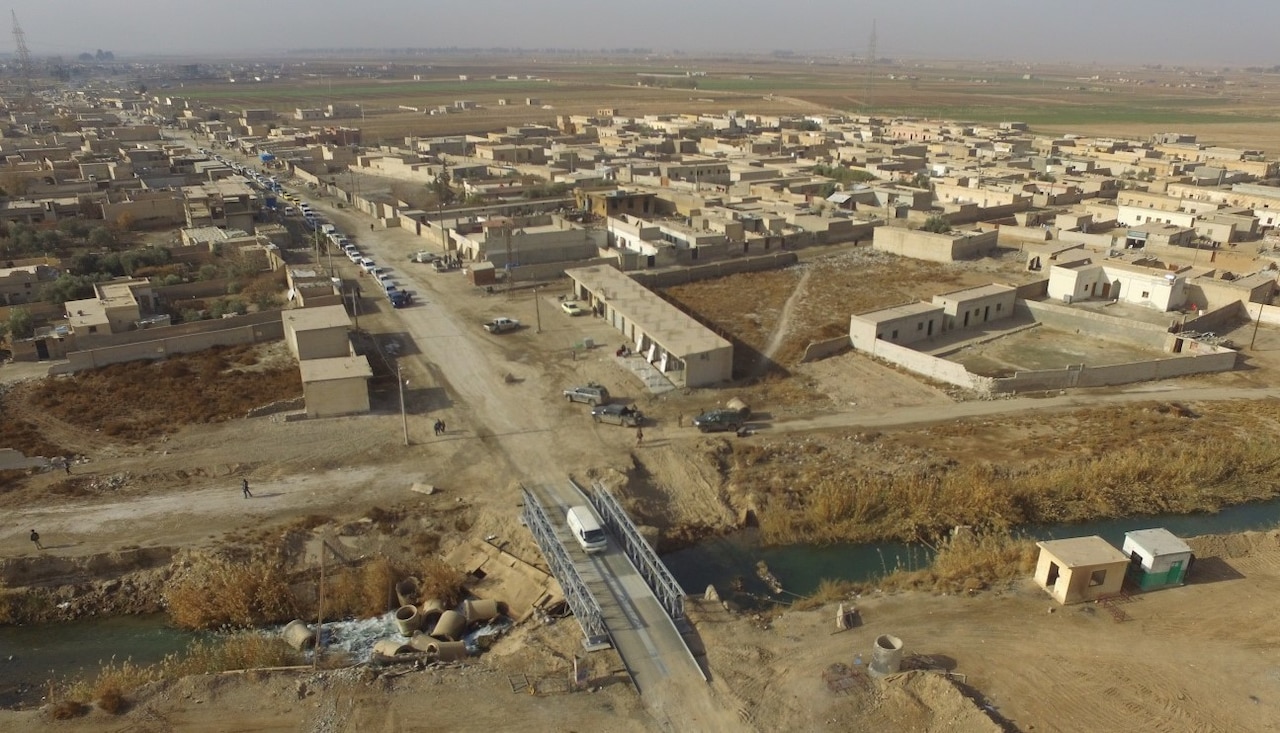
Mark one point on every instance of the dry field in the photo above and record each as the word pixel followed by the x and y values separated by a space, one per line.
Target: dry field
pixel 826 290
pixel 1234 107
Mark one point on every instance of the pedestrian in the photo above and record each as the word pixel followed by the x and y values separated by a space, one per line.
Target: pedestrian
pixel 680 420
pixel 370 227
pixel 244 486
pixel 35 537
pixel 442 427
pixel 639 436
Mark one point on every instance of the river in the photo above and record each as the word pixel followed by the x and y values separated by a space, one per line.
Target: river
pixel 31 655
pixel 731 560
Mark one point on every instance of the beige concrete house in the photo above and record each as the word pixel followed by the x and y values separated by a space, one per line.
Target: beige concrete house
pixel 686 352
pixel 1080 569
pixel 336 386
pixel 317 333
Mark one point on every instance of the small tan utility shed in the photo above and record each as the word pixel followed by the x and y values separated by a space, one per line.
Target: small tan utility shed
pixel 1080 569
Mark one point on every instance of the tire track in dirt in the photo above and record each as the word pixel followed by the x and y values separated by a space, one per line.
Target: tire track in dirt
pixel 783 327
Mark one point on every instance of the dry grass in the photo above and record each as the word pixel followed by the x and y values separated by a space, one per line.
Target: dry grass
pixel 1098 463
pixel 216 592
pixel 363 591
pixel 114 681
pixel 438 579
pixel 139 400
pixel 966 564
pixel 67 709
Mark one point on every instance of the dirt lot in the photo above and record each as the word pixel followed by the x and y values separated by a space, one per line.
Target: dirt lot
pixel 823 290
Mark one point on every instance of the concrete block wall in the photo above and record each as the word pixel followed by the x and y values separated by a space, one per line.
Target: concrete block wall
pixel 931 367
pixel 161 348
pixel 1089 323
pixel 822 349
pixel 715 269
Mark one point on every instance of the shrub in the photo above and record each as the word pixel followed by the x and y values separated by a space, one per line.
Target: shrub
pixel 68 709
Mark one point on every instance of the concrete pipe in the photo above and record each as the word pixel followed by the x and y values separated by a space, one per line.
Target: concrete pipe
pixel 390 647
pixel 431 611
pixel 298 635
pixel 479 611
pixel 448 651
pixel 407 591
pixel 886 656
pixel 422 643
pixel 450 626
pixel 408 619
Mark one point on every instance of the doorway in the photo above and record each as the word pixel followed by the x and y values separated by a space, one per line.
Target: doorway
pixel 1052 579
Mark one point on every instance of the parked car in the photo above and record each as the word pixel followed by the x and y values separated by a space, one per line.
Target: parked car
pixel 501 325
pixel 424 257
pixel 718 420
pixel 623 415
pixel 572 308
pixel 399 298
pixel 591 393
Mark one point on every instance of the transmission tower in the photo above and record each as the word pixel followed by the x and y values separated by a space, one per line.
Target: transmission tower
pixel 871 64
pixel 24 62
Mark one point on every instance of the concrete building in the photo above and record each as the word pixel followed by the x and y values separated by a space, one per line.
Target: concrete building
pixel 336 385
pixel 1157 558
pixel 1080 569
pixel 228 203
pixel 1150 287
pixel 902 324
pixel 921 245
pixel 119 306
pixel 23 284
pixel 686 352
pixel 317 333
pixel 975 306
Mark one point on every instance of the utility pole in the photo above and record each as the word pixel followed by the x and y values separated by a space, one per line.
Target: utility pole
pixel 24 64
pixel 871 63
pixel 404 416
pixel 537 308
pixel 315 657
pixel 1257 321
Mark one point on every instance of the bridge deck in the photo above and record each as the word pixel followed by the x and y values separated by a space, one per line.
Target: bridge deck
pixel 647 640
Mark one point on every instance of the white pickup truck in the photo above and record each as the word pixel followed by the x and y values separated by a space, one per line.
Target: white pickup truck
pixel 500 325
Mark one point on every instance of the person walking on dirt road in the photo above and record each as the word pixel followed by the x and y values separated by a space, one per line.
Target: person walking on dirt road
pixel 244 486
pixel 639 436
pixel 35 537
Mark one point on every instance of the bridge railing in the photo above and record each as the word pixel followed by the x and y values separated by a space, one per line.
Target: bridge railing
pixel 583 604
pixel 655 573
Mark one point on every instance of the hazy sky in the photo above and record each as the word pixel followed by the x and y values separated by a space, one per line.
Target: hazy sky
pixel 1235 32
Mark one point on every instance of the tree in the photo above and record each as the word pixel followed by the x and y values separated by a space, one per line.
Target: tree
pixel 124 222
pixel 20 324
pixel 102 238
pixel 937 225
pixel 440 187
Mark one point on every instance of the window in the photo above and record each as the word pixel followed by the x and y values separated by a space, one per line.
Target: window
pixel 920 326
pixel 894 335
pixel 998 306
pixel 1146 294
pixel 93 329
pixel 1097 577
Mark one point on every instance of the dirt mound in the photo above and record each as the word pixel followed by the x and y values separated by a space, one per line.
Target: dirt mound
pixel 926 701
pixel 1239 545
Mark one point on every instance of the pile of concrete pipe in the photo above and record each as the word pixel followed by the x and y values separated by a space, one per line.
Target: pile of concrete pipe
pixel 431 628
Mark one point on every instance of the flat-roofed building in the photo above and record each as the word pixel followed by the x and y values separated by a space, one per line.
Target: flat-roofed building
pixel 1080 569
pixel 336 385
pixel 686 352
pixel 900 324
pixel 975 306
pixel 317 333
